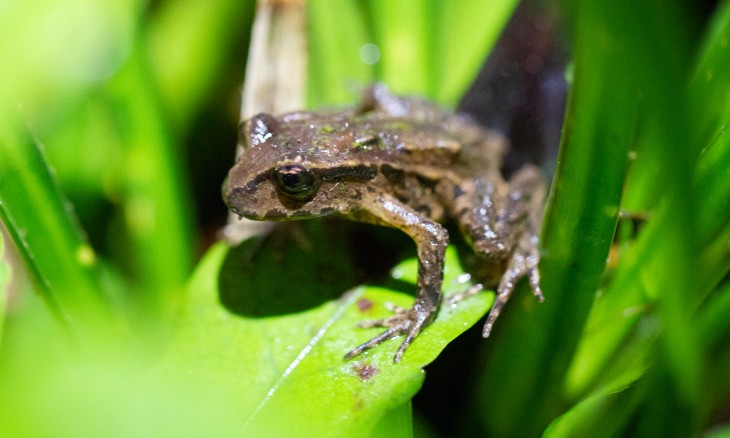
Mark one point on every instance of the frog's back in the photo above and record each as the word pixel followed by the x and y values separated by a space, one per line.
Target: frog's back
pixel 432 135
pixel 429 142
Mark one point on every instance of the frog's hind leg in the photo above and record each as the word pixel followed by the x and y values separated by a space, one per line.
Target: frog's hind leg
pixel 503 226
pixel 521 215
pixel 523 263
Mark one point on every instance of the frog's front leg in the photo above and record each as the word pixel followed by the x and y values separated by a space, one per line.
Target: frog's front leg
pixel 431 240
pixel 504 227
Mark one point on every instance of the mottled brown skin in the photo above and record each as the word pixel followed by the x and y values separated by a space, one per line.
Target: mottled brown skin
pixel 403 163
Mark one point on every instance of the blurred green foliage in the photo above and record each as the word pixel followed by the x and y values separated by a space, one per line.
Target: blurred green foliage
pixel 117 125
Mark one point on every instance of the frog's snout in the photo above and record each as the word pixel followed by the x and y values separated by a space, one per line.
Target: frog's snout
pixel 224 191
pixel 232 198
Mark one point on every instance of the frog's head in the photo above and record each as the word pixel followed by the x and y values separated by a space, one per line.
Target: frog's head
pixel 275 181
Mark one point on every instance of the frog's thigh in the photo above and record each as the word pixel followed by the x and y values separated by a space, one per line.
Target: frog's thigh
pixel 476 210
pixel 521 213
pixel 524 201
pixel 494 214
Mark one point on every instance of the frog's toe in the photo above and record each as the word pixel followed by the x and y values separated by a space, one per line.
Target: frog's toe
pixel 392 331
pixel 534 277
pixel 456 298
pixel 415 329
pixel 398 310
pixel 407 322
pixel 399 313
pixel 390 321
pixel 522 264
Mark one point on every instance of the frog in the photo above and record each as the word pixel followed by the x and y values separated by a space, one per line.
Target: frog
pixel 402 162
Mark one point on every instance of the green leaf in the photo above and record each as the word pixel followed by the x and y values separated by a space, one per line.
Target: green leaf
pixel 49 389
pixel 291 365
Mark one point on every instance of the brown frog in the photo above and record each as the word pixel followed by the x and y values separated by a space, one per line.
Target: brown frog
pixel 404 163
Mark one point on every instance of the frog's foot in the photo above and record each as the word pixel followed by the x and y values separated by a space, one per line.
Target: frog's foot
pixel 407 322
pixel 522 264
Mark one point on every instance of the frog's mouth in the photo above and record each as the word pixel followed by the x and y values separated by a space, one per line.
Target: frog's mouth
pixel 276 214
pixel 244 205
pixel 279 214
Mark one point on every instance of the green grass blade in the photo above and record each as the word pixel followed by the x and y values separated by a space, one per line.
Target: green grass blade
pixel 423 47
pixel 44 228
pixel 155 191
pixel 337 33
pixel 661 279
pixel 188 57
pixel 404 33
pixel 714 325
pixel 599 415
pixel 709 89
pixel 4 282
pixel 600 128
pixel 460 38
pixel 433 48
pixel 709 101
pixel 627 299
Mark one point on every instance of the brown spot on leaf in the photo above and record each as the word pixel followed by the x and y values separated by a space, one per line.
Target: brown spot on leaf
pixel 365 371
pixel 359 404
pixel 364 304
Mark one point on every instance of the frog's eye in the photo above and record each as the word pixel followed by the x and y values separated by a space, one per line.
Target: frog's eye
pixel 295 181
